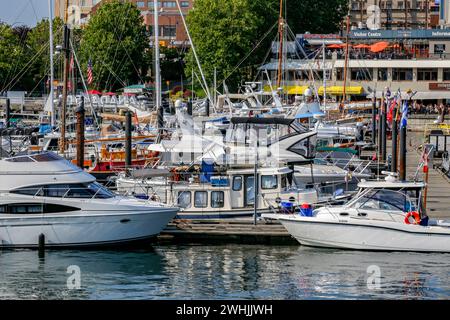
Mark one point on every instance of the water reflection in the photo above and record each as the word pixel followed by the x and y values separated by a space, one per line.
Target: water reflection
pixel 224 272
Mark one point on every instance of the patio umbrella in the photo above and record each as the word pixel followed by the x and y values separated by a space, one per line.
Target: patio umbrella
pixel 335 46
pixel 361 46
pixel 379 46
pixel 94 92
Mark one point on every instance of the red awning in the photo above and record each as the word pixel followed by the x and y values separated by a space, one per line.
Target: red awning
pixel 94 92
pixel 379 46
pixel 109 94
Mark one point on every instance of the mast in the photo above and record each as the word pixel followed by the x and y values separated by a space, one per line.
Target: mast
pixel 52 76
pixel 280 49
pixel 157 62
pixel 324 77
pixel 346 57
pixel 66 50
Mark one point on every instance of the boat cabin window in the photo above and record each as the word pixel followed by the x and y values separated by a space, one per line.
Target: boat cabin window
pixel 306 147
pixel 217 199
pixel 237 183
pixel 384 200
pixel 269 182
pixel 73 190
pixel 184 199
pixel 38 208
pixel 200 199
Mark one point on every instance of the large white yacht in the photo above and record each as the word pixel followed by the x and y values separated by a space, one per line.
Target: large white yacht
pixel 45 194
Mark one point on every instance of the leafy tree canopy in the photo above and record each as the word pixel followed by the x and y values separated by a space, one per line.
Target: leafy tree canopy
pixel 115 40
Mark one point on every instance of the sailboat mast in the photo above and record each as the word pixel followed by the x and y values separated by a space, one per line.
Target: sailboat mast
pixel 157 57
pixel 66 49
pixel 280 48
pixel 346 57
pixel 52 75
pixel 324 74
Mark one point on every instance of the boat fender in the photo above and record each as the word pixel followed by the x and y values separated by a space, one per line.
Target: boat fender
pixel 413 214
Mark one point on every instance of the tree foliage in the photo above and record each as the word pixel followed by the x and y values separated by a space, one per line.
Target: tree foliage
pixel 225 31
pixel 116 42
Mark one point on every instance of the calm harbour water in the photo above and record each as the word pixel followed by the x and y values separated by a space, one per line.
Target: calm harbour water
pixel 223 272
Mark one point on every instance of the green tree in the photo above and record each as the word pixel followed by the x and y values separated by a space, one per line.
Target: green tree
pixel 11 57
pixel 116 42
pixel 226 31
pixel 37 54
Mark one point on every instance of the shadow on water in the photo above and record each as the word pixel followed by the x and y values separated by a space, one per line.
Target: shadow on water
pixel 224 272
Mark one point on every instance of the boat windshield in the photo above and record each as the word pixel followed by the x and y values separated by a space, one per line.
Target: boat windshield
pixel 67 190
pixel 383 199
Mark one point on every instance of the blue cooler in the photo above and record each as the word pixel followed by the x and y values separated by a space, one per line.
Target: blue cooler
pixel 306 210
pixel 287 207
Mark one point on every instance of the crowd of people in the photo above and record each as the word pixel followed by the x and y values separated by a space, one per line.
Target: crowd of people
pixel 421 108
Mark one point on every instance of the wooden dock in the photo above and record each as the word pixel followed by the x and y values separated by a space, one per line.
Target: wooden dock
pixel 226 231
pixel 438 203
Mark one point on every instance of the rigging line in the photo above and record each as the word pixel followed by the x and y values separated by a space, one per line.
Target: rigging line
pixel 25 68
pixel 34 10
pixel 119 39
pixel 254 48
pixel 110 82
pixel 269 51
pixel 84 83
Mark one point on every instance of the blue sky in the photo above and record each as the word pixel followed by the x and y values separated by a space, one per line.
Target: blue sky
pixel 20 12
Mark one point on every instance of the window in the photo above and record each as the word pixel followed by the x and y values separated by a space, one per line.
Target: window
pixel 439 48
pixel 237 183
pixel 184 199
pixel 169 4
pixel 427 74
pixel 339 74
pixel 382 74
pixel 382 199
pixel 402 74
pixel 37 208
pixel 217 199
pixel 169 31
pixel 446 74
pixel 201 199
pixel 269 182
pixel 77 190
pixel 140 4
pixel 184 4
pixel 361 74
pixel 305 147
pixel 400 5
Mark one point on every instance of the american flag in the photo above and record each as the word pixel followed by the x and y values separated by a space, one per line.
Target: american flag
pixel 90 77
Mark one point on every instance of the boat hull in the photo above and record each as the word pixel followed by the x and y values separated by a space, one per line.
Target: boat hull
pixel 373 236
pixel 83 230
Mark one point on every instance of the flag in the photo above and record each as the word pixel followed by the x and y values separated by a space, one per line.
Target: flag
pixel 404 120
pixel 90 77
pixel 394 102
pixel 424 159
pixel 72 64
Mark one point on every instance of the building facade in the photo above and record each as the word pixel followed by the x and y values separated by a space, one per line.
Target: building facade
pixel 395 14
pixel 171 29
pixel 78 10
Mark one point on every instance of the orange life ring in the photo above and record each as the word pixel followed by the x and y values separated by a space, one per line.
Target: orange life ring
pixel 413 214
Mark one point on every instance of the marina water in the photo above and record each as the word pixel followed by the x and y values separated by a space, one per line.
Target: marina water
pixel 224 272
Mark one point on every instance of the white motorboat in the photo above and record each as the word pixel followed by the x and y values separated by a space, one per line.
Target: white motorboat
pixel 383 216
pixel 45 194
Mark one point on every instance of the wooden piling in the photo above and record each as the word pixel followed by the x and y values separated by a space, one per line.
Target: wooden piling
pixel 128 145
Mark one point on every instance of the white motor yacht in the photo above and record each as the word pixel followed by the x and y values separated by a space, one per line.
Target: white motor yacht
pixel 384 216
pixel 45 194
